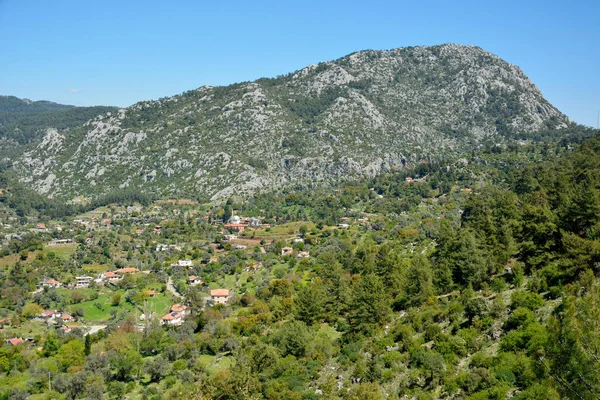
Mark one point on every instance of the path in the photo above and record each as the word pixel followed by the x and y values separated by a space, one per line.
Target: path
pixel 172 289
pixel 95 329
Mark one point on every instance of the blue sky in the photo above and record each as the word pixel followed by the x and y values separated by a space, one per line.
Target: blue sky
pixel 87 52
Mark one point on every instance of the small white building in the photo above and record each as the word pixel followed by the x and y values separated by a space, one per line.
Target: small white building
pixel 83 281
pixel 172 318
pixel 194 280
pixel 183 263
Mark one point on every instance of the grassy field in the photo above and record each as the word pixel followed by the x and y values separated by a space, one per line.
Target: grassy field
pixel 63 251
pixel 282 232
pixel 91 313
pixel 159 304
pixel 10 260
pixel 210 363
pixel 27 329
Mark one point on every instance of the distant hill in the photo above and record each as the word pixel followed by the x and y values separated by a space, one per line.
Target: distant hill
pixel 23 121
pixel 13 108
pixel 366 113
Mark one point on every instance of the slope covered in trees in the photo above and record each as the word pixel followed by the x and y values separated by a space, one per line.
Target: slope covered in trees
pixel 472 278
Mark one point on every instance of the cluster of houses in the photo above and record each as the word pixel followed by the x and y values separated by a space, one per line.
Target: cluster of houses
pixel 239 224
pixel 288 251
pixel 84 280
pixel 55 315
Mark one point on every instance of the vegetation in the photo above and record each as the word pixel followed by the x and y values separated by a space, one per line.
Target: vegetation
pixel 473 278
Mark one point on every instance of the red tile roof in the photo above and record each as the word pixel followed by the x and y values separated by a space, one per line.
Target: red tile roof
pixel 16 341
pixel 178 308
pixel 127 270
pixel 171 316
pixel 219 292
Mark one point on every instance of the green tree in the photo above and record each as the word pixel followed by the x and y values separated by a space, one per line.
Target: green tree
pixel 31 310
pixel 309 304
pixel 116 299
pixel 157 368
pixel 293 338
pixel 88 345
pixel 573 346
pixel 71 354
pixel 370 304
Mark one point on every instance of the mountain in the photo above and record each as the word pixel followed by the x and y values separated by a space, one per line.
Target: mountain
pixel 13 108
pixel 365 113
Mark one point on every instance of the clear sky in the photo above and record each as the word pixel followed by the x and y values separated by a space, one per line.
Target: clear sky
pixel 90 52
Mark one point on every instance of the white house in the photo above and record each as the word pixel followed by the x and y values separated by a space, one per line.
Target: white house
pixel 83 281
pixel 51 283
pixel 172 318
pixel 183 263
pixel 194 280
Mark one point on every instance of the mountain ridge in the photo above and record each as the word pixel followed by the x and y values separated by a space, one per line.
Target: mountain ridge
pixel 364 113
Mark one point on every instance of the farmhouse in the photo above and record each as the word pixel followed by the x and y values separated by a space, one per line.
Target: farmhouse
pixel 219 296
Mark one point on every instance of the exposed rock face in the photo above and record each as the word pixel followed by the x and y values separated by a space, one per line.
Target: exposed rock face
pixel 362 114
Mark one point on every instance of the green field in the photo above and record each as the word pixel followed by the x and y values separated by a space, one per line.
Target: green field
pixel 209 363
pixel 91 313
pixel 63 251
pixel 285 231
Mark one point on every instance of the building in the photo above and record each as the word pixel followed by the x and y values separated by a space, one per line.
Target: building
pixel 60 242
pixel 287 251
pixel 303 254
pixel 179 308
pixel 67 318
pixel 110 277
pixel 183 263
pixel 172 318
pixel 15 341
pixel 150 293
pixel 50 314
pixel 51 283
pixel 125 271
pixel 194 280
pixel 219 296
pixel 235 227
pixel 83 281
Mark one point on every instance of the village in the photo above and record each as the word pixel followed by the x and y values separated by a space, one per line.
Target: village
pixel 184 269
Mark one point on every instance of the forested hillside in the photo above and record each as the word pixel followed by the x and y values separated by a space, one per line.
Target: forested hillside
pixel 470 277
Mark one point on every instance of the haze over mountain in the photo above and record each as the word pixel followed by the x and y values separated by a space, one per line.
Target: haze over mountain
pixel 362 114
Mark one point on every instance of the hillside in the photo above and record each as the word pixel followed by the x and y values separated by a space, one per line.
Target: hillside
pixel 23 121
pixel 13 108
pixel 475 279
pixel 368 112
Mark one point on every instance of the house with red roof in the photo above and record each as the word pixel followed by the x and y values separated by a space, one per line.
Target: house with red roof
pixel 124 271
pixel 15 341
pixel 219 296
pixel 50 314
pixel 67 317
pixel 51 283
pixel 173 318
